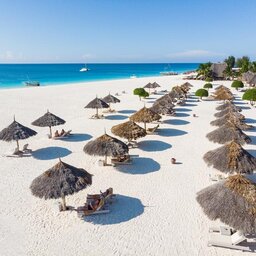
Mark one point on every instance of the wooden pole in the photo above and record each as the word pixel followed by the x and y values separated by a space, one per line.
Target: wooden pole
pixel 97 112
pixel 18 146
pixel 106 159
pixel 64 207
pixel 50 131
pixel 145 126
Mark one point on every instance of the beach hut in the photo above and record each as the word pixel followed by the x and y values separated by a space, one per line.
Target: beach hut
pixel 231 158
pixel 110 99
pixel 106 145
pixel 218 69
pixel 232 201
pixel 248 76
pixel 232 118
pixel 230 110
pixel 96 104
pixel 228 104
pixel 145 115
pixel 15 132
pixel 60 181
pixel 227 133
pixel 128 130
pixel 48 120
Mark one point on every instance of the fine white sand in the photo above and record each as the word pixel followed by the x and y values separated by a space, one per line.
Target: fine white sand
pixel 155 212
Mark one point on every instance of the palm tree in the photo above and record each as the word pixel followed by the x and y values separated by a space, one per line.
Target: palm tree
pixel 204 70
pixel 252 66
pixel 243 63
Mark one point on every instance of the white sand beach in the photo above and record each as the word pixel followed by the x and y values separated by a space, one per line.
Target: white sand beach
pixel 155 212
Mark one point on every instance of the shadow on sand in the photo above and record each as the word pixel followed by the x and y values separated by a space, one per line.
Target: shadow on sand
pixel 239 102
pixel 50 153
pixel 154 145
pixel 166 132
pixel 183 109
pixel 123 209
pixel 176 122
pixel 245 107
pixel 252 152
pixel 76 137
pixel 127 111
pixel 190 105
pixel 116 117
pixel 181 115
pixel 253 138
pixel 140 165
pixel 250 121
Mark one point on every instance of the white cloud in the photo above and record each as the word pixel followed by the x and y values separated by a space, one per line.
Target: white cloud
pixel 193 54
pixel 9 56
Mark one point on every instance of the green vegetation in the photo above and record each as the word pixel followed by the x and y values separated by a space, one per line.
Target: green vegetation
pixel 250 95
pixel 140 92
pixel 237 84
pixel 201 93
pixel 208 86
pixel 204 70
pixel 208 79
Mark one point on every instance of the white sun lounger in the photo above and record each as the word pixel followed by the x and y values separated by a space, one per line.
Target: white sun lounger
pixel 65 135
pixel 236 241
pixel 216 177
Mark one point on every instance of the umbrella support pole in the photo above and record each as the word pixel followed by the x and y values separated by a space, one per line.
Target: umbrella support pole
pixel 50 131
pixel 18 146
pixel 64 207
pixel 97 112
pixel 106 160
pixel 145 127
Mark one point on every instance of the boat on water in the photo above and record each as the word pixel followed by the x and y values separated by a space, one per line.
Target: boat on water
pixel 32 83
pixel 133 76
pixel 84 69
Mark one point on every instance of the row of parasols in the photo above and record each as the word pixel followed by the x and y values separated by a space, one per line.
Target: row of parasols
pixel 232 199
pixel 63 179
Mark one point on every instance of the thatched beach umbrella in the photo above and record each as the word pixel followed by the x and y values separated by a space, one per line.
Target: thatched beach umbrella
pixel 227 133
pixel 187 84
pixel 156 85
pixel 129 130
pixel 232 201
pixel 231 158
pixel 48 120
pixel 168 98
pixel 106 145
pixel 110 99
pixel 163 108
pixel 96 104
pixel 230 110
pixel 16 131
pixel 232 118
pixel 60 181
pixel 145 115
pixel 228 104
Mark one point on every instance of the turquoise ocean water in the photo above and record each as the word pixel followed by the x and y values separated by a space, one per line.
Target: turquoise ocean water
pixel 14 75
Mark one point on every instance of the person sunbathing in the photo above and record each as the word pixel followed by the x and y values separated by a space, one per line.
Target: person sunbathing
pixel 56 134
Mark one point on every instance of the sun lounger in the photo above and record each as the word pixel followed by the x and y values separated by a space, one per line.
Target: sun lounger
pixel 16 153
pixel 223 230
pixel 121 161
pixel 107 195
pixel 97 117
pixel 132 144
pixel 216 177
pixel 26 149
pixel 236 241
pixel 152 130
pixel 64 135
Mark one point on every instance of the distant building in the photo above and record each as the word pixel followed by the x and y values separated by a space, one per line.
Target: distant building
pixel 218 70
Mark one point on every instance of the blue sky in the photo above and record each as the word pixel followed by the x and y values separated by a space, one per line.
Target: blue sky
pixel 126 30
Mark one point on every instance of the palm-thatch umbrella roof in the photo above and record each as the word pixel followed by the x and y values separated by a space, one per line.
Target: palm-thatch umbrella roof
pixel 162 109
pixel 96 104
pixel 48 120
pixel 232 201
pixel 223 95
pixel 59 181
pixel 227 133
pixel 149 86
pixel 247 76
pixel 16 131
pixel 111 99
pixel 106 145
pixel 166 98
pixel 231 158
pixel 252 81
pixel 129 130
pixel 228 104
pixel 155 84
pixel 187 84
pixel 218 69
pixel 230 110
pixel 179 90
pixel 221 87
pixel 145 115
pixel 232 118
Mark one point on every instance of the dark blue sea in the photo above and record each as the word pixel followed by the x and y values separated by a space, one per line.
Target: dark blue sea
pixel 14 75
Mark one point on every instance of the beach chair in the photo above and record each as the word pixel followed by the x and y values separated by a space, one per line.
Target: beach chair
pixel 97 117
pixel 132 144
pixel 16 153
pixel 107 195
pixel 121 160
pixel 64 135
pixel 152 130
pixel 26 149
pixel 216 177
pixel 236 241
pixel 86 210
pixel 223 230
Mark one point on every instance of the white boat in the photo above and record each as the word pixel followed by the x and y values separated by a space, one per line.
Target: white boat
pixel 84 69
pixel 133 76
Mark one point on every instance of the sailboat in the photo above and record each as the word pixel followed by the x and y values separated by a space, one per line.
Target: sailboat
pixel 84 69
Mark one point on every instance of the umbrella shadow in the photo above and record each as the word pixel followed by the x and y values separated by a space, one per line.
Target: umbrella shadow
pixel 239 102
pixel 50 153
pixel 252 152
pixel 190 105
pixel 190 100
pixel 166 132
pixel 181 115
pixel 154 145
pixel 244 107
pixel 176 122
pixel 116 117
pixel 127 111
pixel 253 138
pixel 140 165
pixel 183 109
pixel 76 137
pixel 151 101
pixel 124 208
pixel 250 121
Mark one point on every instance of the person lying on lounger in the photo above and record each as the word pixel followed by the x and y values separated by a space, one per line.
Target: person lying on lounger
pixel 56 134
pixel 62 132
